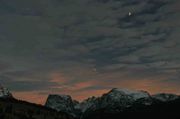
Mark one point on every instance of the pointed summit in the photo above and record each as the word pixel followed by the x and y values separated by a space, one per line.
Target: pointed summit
pixel 4 92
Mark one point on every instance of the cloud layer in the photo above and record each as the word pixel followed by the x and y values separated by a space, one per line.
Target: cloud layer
pixel 75 46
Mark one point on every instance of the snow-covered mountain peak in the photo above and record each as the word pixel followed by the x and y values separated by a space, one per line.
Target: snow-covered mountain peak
pixel 122 98
pixel 130 93
pixel 165 97
pixel 5 93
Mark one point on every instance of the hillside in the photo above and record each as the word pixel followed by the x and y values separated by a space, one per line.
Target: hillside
pixel 16 109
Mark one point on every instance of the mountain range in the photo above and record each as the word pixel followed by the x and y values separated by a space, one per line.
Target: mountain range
pixel 115 104
pixel 115 101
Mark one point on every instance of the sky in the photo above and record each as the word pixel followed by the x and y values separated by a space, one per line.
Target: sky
pixel 85 48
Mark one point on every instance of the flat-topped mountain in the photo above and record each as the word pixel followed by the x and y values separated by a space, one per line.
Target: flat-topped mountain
pixel 61 103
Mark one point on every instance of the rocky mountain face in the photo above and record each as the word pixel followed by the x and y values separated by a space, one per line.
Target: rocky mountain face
pixel 86 104
pixel 61 103
pixel 115 101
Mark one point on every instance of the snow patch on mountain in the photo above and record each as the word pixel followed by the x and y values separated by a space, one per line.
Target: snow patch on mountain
pixel 132 93
pixel 165 97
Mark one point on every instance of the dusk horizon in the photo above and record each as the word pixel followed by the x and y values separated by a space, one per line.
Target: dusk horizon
pixel 85 48
pixel 31 97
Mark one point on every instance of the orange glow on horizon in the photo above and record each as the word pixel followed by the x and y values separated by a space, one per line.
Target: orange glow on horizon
pixel 79 92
